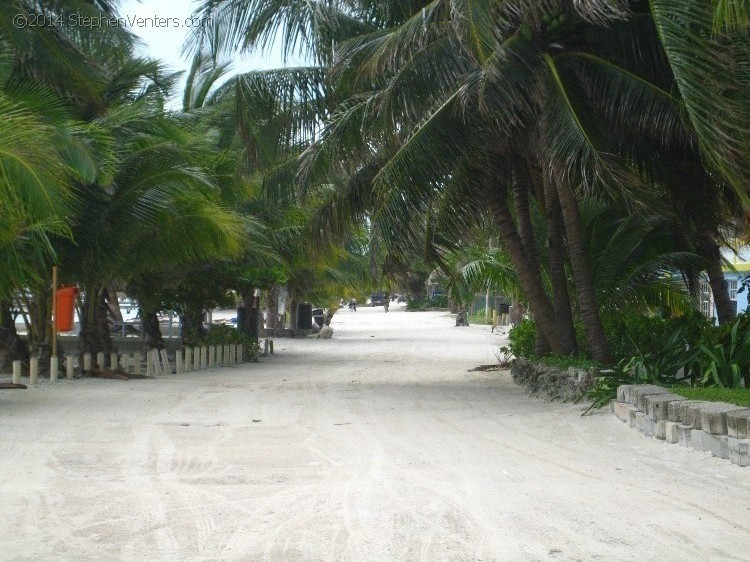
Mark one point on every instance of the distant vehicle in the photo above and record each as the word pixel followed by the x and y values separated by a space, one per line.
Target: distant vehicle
pixel 377 299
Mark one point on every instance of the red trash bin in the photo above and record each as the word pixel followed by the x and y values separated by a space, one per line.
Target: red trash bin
pixel 64 308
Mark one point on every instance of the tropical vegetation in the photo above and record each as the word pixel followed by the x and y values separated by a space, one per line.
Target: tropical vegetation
pixel 588 159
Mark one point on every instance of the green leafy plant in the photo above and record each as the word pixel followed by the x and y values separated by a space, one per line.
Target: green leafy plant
pixel 436 302
pixel 605 387
pixel 224 335
pixel 522 339
pixel 727 364
pixel 479 318
pixel 664 365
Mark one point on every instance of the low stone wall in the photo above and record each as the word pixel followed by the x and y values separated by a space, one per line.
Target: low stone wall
pixel 717 427
pixel 551 383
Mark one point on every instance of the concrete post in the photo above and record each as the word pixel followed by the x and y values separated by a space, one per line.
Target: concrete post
pixel 16 372
pixel 149 365
pixel 178 362
pixel 68 366
pixel 227 356
pixel 113 362
pixel 165 362
pixel 34 370
pixel 87 362
pixel 100 360
pixel 220 355
pixel 155 361
pixel 54 368
pixel 204 357
pixel 188 359
pixel 196 358
pixel 211 355
pixel 137 363
pixel 240 354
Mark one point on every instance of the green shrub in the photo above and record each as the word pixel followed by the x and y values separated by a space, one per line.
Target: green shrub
pixel 479 318
pixel 631 334
pixel 522 338
pixel 726 363
pixel 416 305
pixel 225 335
pixel 437 302
pixel 674 361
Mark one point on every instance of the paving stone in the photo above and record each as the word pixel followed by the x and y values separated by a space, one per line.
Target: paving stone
pixel 640 391
pixel 678 411
pixel 738 424
pixel 720 446
pixel 714 417
pixel 645 424
pixel 692 414
pixel 695 440
pixel 712 443
pixel 621 411
pixel 623 392
pixel 670 432
pixel 632 412
pixel 683 434
pixel 739 451
pixel 660 429
pixel 657 405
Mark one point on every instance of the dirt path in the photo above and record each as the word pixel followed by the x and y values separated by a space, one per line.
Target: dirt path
pixel 377 445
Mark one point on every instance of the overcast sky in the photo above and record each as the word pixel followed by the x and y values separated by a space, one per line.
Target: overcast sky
pixel 165 41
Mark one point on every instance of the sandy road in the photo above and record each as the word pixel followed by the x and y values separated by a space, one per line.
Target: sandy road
pixel 377 445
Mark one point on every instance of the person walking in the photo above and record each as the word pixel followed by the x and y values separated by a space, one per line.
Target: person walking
pixel 386 301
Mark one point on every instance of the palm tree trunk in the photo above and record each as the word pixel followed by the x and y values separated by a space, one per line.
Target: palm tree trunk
pixel 12 347
pixel 95 336
pixel 272 310
pixel 192 326
pixel 152 336
pixel 708 249
pixel 584 280
pixel 40 331
pixel 248 313
pixel 529 277
pixel 541 345
pixel 558 276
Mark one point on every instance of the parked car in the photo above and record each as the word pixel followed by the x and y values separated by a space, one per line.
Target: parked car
pixel 377 299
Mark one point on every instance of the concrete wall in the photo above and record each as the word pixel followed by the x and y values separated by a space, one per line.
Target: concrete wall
pixel 716 427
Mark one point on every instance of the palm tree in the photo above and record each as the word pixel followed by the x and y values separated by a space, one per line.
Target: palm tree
pixel 477 94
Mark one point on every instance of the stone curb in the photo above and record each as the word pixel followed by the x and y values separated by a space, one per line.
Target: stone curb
pixel 716 427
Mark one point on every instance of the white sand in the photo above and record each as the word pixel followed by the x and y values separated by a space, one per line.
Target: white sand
pixel 376 445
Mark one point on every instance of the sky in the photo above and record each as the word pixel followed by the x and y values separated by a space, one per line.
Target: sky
pixel 163 38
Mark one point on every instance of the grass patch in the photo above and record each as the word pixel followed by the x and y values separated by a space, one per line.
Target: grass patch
pixel 738 396
pixel 478 318
pixel 565 361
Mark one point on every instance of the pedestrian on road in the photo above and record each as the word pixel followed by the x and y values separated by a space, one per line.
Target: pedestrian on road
pixel 386 301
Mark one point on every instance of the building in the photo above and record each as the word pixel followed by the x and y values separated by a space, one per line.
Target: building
pixel 739 258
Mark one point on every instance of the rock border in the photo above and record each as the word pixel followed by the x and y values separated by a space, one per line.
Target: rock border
pixel 717 427
pixel 552 383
